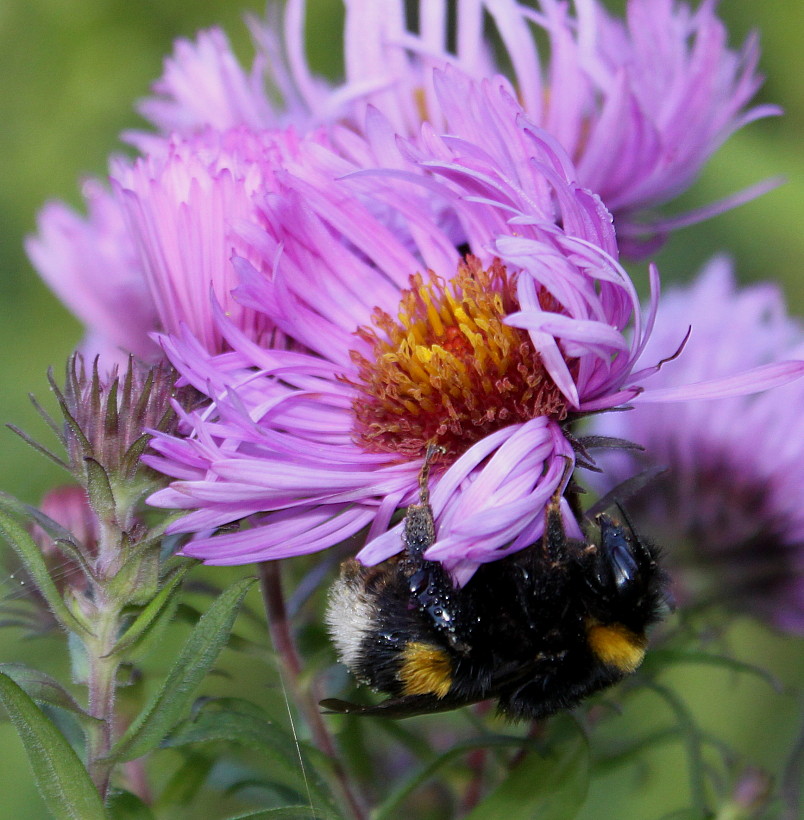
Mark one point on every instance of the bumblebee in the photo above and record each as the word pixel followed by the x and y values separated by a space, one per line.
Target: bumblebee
pixel 538 630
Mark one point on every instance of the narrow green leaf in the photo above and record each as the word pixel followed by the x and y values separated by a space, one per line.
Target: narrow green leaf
pixel 142 624
pixel 285 813
pixel 241 722
pixel 60 776
pixel 184 784
pixel 693 742
pixel 542 787
pixel 658 658
pixel 31 556
pixel 43 689
pixel 123 805
pixel 388 809
pixel 62 537
pixel 195 659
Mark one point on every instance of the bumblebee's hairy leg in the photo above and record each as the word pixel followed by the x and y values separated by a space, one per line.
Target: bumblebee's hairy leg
pixel 554 540
pixel 419 533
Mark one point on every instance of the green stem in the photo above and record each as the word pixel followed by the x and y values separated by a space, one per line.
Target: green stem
pixel 306 700
pixel 101 685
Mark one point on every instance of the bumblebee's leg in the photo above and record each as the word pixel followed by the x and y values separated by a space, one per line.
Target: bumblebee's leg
pixel 419 532
pixel 554 540
pixel 429 583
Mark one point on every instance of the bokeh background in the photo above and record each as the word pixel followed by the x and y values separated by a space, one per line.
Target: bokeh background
pixel 69 73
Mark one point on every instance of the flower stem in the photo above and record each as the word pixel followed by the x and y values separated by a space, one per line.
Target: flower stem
pixel 306 700
pixel 101 685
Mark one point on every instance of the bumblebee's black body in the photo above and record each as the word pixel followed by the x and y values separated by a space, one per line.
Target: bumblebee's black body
pixel 538 630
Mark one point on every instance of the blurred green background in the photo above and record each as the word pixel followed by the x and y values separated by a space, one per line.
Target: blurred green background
pixel 70 71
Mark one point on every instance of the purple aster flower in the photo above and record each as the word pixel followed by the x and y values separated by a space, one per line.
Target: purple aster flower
pixel 639 103
pixel 155 248
pixel 731 502
pixel 398 340
pixel 183 207
pixel 639 129
pixel 92 266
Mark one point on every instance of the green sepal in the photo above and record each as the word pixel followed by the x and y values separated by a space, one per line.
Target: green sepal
pixel 40 448
pixel 141 626
pixel 195 659
pixel 31 556
pixel 99 490
pixel 74 426
pixel 60 776
pixel 44 689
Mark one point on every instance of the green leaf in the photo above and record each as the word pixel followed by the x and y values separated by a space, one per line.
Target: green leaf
pixel 184 784
pixel 31 556
pixel 552 786
pixel 60 776
pixel 195 659
pixel 41 688
pixel 285 813
pixel 161 602
pixel 686 814
pixel 388 809
pixel 239 721
pixel 633 749
pixel 123 805
pixel 693 742
pixel 657 658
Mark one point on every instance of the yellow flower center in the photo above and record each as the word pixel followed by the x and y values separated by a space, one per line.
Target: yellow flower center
pixel 449 371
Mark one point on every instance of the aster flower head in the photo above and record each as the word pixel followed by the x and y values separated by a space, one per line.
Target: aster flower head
pixel 92 265
pixel 638 129
pixel 639 103
pixel 730 503
pixel 183 206
pixel 156 248
pixel 400 340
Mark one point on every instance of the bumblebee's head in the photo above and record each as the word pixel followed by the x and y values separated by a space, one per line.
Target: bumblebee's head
pixel 627 593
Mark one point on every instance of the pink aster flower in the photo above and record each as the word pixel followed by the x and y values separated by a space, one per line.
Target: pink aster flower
pixel 399 340
pixel 204 86
pixel 640 103
pixel 183 208
pixel 155 249
pixel 92 265
pixel 731 503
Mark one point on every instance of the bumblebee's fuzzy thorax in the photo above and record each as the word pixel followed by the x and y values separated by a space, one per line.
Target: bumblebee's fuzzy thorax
pixel 538 630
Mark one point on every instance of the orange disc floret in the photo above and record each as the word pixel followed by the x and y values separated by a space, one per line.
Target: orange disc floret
pixel 448 370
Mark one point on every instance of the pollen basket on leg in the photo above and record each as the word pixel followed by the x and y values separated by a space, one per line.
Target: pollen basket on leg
pixel 447 369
